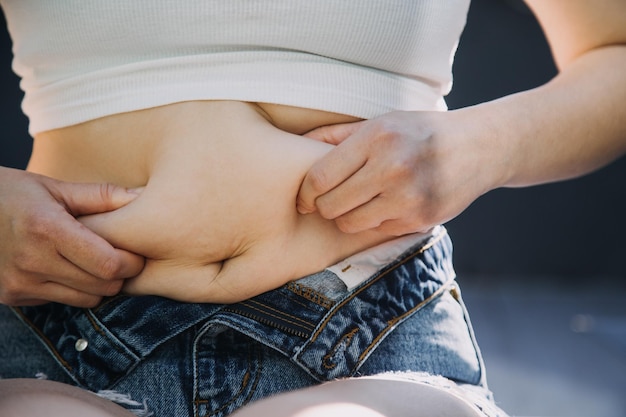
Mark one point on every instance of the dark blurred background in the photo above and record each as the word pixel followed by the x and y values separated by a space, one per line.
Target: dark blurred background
pixel 543 268
pixel 15 143
pixel 570 230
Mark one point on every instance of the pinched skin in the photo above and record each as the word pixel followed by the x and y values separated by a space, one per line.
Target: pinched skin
pixel 217 219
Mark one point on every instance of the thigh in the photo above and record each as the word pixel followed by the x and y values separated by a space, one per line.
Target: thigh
pixel 366 397
pixel 33 398
pixel 22 354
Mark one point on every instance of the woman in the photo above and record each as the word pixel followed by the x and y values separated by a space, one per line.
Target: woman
pixel 215 216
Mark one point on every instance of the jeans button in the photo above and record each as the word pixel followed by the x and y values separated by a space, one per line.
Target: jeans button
pixel 81 344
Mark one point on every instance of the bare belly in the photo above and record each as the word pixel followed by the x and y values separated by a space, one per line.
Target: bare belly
pixel 217 219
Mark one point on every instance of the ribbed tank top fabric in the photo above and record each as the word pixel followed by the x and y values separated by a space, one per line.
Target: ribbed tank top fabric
pixel 83 59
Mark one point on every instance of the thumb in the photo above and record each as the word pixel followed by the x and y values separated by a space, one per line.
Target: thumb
pixel 330 171
pixel 334 134
pixel 83 198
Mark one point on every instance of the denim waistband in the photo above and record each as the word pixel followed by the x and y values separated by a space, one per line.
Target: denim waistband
pixel 324 328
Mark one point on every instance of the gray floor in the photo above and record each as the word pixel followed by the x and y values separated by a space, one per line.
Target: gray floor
pixel 551 350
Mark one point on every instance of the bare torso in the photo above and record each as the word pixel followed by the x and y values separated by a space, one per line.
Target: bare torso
pixel 217 218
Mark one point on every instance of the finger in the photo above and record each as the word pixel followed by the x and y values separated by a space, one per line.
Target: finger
pixel 50 266
pixel 327 173
pixel 383 216
pixel 132 227
pixel 370 215
pixel 58 293
pixel 81 199
pixel 69 275
pixel 334 134
pixel 356 191
pixel 398 222
pixel 92 253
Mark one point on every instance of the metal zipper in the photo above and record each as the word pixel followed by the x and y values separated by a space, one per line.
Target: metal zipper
pixel 273 318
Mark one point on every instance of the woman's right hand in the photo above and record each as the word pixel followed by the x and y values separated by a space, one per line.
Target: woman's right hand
pixel 46 254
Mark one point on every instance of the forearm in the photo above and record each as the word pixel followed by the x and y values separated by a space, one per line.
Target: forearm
pixel 568 127
pixel 407 171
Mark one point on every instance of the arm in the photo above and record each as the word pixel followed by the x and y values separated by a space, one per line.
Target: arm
pixel 576 123
pixel 386 170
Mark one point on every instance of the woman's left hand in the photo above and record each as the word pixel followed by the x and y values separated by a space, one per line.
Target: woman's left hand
pixel 400 173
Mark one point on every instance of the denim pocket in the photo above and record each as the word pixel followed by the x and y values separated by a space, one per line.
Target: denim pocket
pixel 436 340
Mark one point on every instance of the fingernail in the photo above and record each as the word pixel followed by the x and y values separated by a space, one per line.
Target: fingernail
pixel 137 190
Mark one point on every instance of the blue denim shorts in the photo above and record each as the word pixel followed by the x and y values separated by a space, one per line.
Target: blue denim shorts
pixel 209 360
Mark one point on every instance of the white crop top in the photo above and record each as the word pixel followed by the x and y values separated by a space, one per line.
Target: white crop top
pixel 83 59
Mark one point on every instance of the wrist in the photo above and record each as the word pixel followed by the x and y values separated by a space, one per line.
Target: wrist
pixel 489 153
